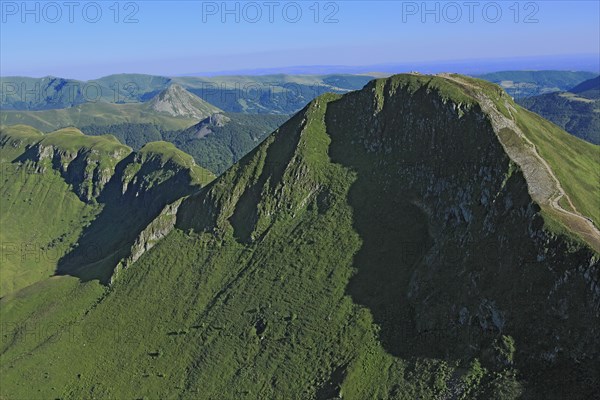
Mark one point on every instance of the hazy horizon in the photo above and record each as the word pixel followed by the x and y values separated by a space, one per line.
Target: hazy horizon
pixel 89 40
pixel 580 62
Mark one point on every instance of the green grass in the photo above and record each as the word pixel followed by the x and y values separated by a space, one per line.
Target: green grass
pixel 73 140
pixel 412 83
pixel 47 203
pixel 574 161
pixel 296 328
pixel 167 153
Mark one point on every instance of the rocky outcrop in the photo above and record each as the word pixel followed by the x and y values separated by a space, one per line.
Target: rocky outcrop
pixel 86 169
pixel 160 227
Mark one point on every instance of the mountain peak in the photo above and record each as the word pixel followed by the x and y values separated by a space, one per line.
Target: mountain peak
pixel 178 102
pixel 174 89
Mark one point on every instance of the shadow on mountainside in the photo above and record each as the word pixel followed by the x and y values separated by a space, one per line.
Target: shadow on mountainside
pixel 449 287
pixel 109 237
pixel 396 238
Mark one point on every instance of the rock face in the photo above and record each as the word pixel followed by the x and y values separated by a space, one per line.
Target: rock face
pixel 488 262
pixel 159 228
pixel 178 102
pixel 85 169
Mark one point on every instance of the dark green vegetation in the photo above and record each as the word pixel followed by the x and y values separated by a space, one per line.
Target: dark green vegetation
pixel 522 84
pixel 380 244
pixel 577 111
pixel 74 204
pixel 216 142
pixel 589 89
pixel 219 141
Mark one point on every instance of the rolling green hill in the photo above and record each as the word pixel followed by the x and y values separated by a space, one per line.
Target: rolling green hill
pixel 577 111
pixel 424 237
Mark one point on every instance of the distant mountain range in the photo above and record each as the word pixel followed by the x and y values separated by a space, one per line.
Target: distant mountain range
pixel 576 110
pixel 138 109
pixel 272 94
pixel 589 89
pixel 172 108
pixel 572 62
pixel 214 139
pixel 523 84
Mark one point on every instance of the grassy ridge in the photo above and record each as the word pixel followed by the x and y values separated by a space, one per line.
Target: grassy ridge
pixel 65 184
pixel 575 162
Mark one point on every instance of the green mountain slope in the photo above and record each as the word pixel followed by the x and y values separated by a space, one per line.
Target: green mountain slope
pixel 72 203
pixel 576 111
pixel 403 241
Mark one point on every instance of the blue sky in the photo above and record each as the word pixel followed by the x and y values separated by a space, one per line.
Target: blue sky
pixel 181 37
